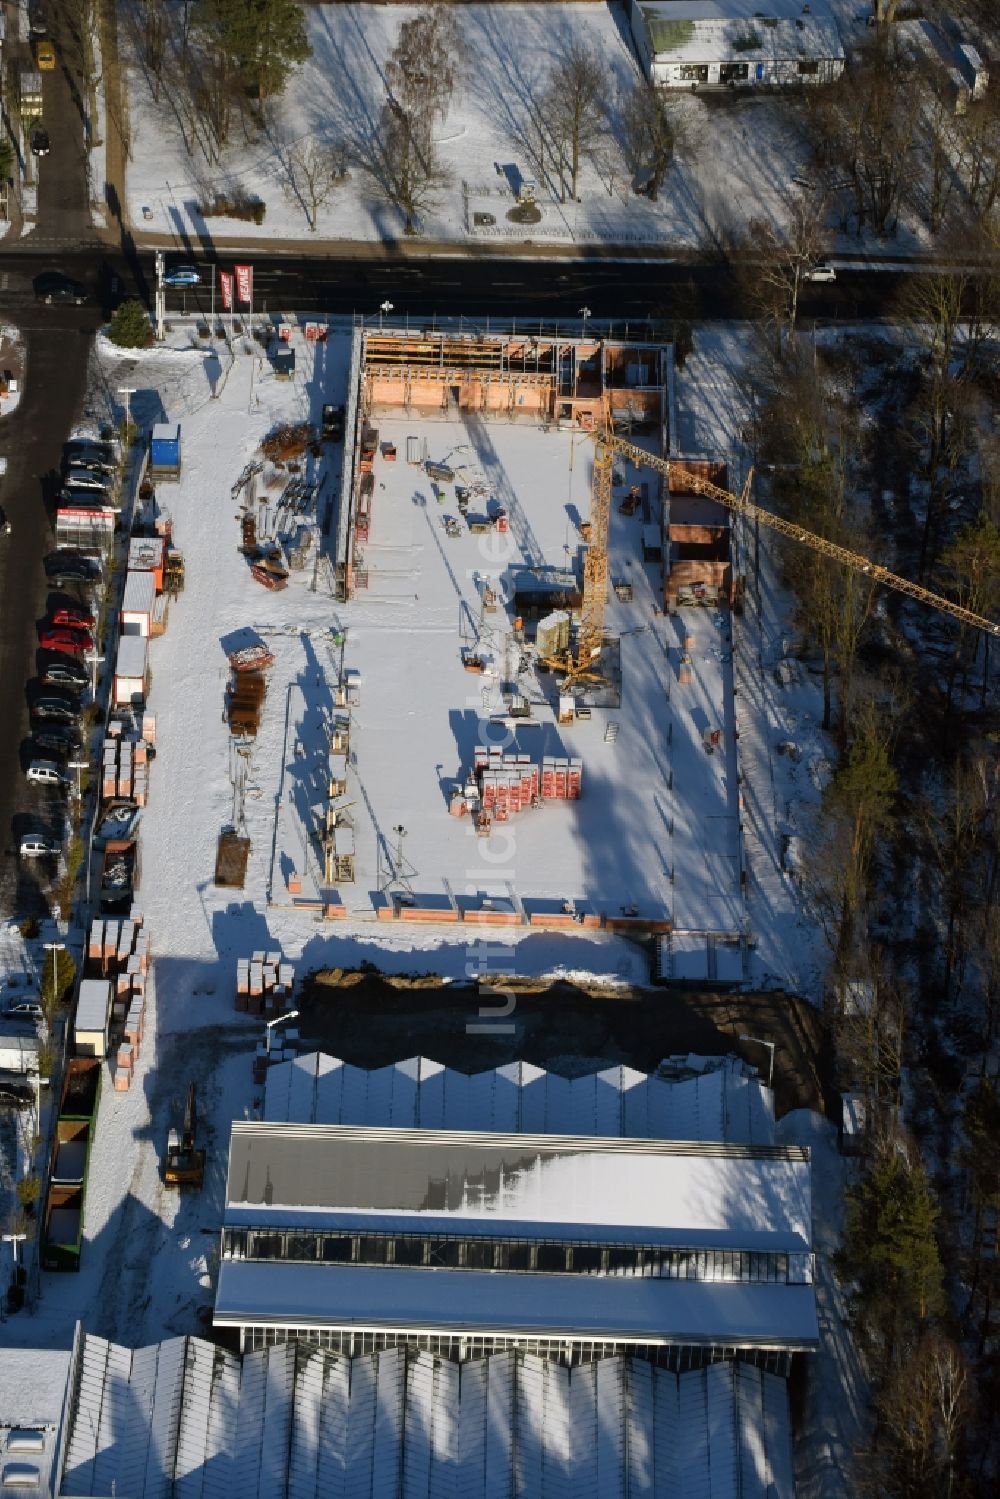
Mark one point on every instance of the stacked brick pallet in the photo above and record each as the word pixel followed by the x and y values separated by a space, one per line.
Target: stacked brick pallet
pixel 510 783
pixel 125 770
pixel 264 985
pixel 120 952
pixel 562 778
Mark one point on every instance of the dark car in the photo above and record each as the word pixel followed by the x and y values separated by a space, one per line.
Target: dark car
pixel 57 738
pixel 4 522
pixel 70 567
pixel 73 642
pixel 73 615
pixel 39 141
pixel 58 708
pixel 93 499
pixel 93 456
pixel 53 286
pixel 65 673
pixel 333 423
pixel 76 476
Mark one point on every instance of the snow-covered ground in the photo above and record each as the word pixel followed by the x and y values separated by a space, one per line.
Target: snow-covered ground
pixel 226 402
pixel 738 157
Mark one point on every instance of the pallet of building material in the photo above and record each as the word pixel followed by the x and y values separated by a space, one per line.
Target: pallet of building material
pixel 231 859
pixel 265 984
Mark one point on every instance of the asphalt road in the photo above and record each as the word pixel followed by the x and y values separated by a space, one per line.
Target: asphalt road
pixel 474 288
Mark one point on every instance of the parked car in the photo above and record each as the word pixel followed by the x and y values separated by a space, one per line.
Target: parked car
pixel 73 642
pixel 823 271
pixel 63 672
pixel 53 286
pixel 88 498
pixel 333 423
pixel 81 453
pixel 71 567
pixel 181 275
pixel 73 615
pixel 45 55
pixel 46 773
pixel 39 846
pixel 78 477
pixel 57 738
pixel 39 141
pixel 4 522
pixel 58 709
pixel 28 1008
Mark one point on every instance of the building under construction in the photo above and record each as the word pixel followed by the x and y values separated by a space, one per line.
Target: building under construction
pixel 506 539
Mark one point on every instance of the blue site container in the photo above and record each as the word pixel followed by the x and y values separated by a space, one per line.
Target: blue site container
pixel 165 447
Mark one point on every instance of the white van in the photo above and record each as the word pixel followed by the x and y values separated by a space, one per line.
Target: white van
pixel 46 773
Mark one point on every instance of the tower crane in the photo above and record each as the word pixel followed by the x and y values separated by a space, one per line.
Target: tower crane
pixel 585 665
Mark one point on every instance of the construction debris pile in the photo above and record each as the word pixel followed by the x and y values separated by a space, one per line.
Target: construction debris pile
pixel 501 784
pixel 264 985
pixel 119 951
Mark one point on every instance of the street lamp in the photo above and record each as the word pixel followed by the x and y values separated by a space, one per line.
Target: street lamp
pixel 383 311
pixel 53 948
pixel 585 314
pixel 13 1240
pixel 759 1041
pixel 128 391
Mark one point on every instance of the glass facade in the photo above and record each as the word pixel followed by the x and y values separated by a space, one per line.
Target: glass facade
pixel 455 1252
pixel 678 1357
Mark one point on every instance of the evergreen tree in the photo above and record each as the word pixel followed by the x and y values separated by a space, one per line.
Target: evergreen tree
pixel 890 1249
pixel 262 40
pixel 130 326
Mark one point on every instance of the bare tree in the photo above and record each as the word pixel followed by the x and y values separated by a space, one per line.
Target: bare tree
pixel 574 109
pixel 312 171
pixel 650 133
pixel 421 74
pixel 780 260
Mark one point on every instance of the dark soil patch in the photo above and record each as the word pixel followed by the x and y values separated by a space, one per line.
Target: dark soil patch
pixel 371 1022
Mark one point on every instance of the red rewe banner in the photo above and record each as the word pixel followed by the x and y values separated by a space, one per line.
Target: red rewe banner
pixel 244 283
pixel 226 288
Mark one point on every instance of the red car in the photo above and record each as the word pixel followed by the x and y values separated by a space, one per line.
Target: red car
pixel 73 642
pixel 74 618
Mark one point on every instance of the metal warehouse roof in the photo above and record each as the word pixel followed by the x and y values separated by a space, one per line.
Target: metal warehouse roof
pixel 497 1303
pixel 183 1418
pixel 725 1101
pixel 730 1196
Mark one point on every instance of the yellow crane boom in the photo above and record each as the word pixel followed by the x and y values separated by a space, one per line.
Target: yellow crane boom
pixel 610 443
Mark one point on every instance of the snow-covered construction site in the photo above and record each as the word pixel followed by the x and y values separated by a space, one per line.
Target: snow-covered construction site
pixel 537 718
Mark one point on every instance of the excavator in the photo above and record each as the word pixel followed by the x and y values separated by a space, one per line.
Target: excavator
pixel 582 667
pixel 184 1163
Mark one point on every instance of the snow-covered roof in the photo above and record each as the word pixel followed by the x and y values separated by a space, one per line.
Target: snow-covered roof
pixel 725 1102
pixel 185 1417
pixel 33 1404
pixel 751 31
pixel 497 1303
pixel 408 1180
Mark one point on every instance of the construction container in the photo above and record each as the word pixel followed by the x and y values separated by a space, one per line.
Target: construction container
pixel 138 603
pixel 146 554
pixel 413 450
pixel 283 363
pixel 165 449
pixel 93 1015
pixel 130 671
